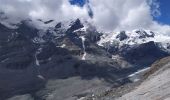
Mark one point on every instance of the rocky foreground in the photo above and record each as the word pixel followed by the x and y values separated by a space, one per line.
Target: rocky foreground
pixel 155 85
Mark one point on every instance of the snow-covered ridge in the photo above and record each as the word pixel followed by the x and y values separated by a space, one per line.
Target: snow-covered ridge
pixel 138 36
pixel 58 29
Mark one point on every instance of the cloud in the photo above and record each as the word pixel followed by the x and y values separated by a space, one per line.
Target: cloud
pixel 116 15
pixel 121 14
pixel 42 9
pixel 107 15
pixel 155 7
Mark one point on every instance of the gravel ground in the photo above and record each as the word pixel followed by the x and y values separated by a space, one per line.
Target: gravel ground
pixel 155 87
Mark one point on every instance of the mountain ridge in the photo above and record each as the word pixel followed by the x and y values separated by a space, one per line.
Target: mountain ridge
pixel 38 61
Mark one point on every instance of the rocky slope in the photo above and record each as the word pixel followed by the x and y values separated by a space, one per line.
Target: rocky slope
pixel 153 85
pixel 67 61
pixel 156 86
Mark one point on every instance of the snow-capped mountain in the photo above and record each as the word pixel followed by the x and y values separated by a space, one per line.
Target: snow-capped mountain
pixel 136 45
pixel 138 36
pixel 71 52
pixel 83 38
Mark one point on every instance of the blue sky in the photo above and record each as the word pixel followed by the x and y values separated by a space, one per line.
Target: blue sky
pixel 165 12
pixel 78 2
pixel 81 3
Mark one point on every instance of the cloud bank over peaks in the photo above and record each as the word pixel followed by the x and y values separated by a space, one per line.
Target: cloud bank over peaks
pixel 107 15
pixel 42 9
pixel 127 15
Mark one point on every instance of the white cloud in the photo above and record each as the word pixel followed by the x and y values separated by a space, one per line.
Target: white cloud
pixel 42 9
pixel 164 29
pixel 109 15
pixel 117 15
pixel 155 7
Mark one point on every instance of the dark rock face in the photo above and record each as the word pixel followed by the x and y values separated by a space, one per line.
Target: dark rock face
pixel 5 34
pixel 152 34
pixel 76 25
pixel 26 29
pixel 58 25
pixel 144 34
pixel 17 53
pixel 168 47
pixel 47 51
pixel 122 36
pixel 47 22
pixel 143 54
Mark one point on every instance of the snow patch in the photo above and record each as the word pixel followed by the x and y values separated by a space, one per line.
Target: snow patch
pixel 36 53
pixel 115 57
pixel 137 75
pixel 38 64
pixel 36 60
pixel 82 98
pixel 84 48
pixel 62 46
pixel 38 40
pixel 5 60
pixel 81 29
pixel 9 25
pixel 41 77
pixel 84 56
